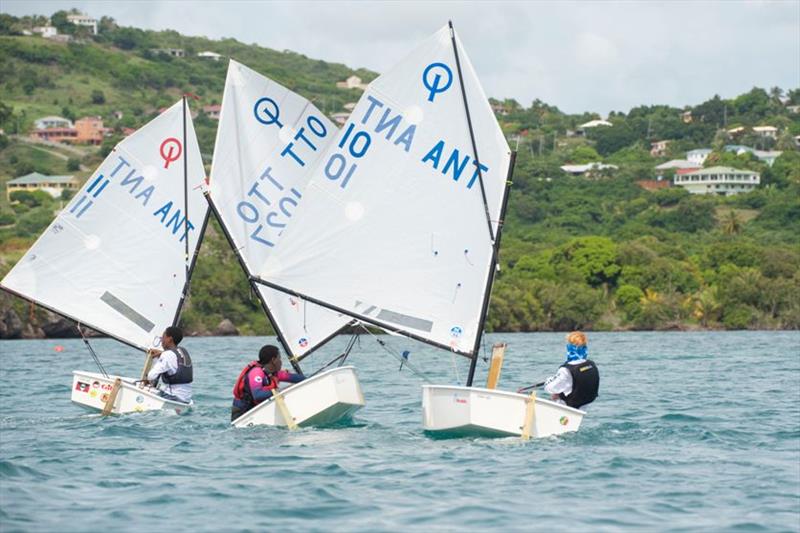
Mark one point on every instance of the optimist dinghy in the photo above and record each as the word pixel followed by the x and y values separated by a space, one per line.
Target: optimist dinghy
pixel 119 257
pixel 268 139
pixel 321 400
pixel 96 392
pixel 409 201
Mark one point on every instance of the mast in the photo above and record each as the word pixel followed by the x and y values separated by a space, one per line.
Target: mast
pixel 185 199
pixel 492 269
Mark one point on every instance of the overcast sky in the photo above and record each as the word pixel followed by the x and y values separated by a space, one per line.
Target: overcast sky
pixel 580 56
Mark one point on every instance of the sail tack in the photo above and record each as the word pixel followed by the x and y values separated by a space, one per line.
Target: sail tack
pixel 269 139
pixel 393 226
pixel 115 258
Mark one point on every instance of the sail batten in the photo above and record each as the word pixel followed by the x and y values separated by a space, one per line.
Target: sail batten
pixel 114 259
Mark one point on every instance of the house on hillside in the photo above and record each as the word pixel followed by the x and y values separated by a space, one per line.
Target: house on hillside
pixel 766 131
pixel 212 111
pixel 699 156
pixel 499 109
pixel 353 82
pixel 767 156
pixel 174 52
pixel 51 122
pixel 587 170
pixel 793 109
pixel 594 124
pixel 659 148
pixel 340 118
pixel 56 135
pixel 676 164
pixel 213 56
pixel 82 19
pixel 349 106
pixel 48 32
pixel 722 181
pixel 52 185
pixel 686 117
pixel 90 130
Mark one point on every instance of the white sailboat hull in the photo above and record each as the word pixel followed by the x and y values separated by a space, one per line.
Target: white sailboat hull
pixel 91 390
pixel 471 411
pixel 323 399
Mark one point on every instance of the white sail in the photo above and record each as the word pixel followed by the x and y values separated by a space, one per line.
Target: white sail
pixel 393 226
pixel 115 257
pixel 268 140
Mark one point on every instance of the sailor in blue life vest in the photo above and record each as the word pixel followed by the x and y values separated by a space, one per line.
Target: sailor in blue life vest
pixel 259 379
pixel 172 370
pixel 577 381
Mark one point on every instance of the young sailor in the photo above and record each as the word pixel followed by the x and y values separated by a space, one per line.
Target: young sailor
pixel 258 380
pixel 577 381
pixel 173 368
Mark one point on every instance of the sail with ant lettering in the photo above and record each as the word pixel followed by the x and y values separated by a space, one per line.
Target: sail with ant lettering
pixel 269 138
pixel 399 223
pixel 119 256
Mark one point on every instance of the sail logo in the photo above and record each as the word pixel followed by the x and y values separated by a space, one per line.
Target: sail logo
pixel 432 79
pixel 170 150
pixel 303 342
pixel 456 331
pixel 85 202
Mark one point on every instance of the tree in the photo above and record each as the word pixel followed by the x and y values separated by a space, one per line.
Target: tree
pixel 731 225
pixel 59 20
pixel 73 164
pixel 594 257
pixel 98 97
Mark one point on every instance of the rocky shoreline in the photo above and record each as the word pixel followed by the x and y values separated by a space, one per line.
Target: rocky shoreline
pixel 49 325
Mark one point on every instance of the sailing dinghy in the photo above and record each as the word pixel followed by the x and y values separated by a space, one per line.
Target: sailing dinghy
pixel 119 257
pixel 401 221
pixel 268 139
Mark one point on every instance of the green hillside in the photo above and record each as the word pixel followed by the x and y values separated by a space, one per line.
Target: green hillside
pixel 594 252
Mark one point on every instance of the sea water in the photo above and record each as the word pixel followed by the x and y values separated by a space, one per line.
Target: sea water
pixel 692 431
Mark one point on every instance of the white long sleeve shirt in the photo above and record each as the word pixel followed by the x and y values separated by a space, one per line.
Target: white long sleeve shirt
pixel 561 382
pixel 168 362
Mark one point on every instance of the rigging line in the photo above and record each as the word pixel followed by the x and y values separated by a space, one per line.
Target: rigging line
pixel 455 367
pixel 405 362
pixel 92 352
pixel 471 132
pixel 342 357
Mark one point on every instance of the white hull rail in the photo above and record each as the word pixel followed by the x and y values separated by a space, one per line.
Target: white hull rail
pixel 93 391
pixel 471 411
pixel 321 400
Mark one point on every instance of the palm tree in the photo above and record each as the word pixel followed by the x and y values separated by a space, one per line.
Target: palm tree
pixel 731 225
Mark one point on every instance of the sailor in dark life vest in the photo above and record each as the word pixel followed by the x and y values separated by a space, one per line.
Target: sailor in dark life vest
pixel 172 369
pixel 259 379
pixel 577 381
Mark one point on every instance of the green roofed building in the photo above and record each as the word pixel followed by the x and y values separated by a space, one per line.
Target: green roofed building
pixel 53 185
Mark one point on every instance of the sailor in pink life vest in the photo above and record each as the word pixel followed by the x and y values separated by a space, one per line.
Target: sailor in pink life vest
pixel 577 381
pixel 259 379
pixel 172 370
